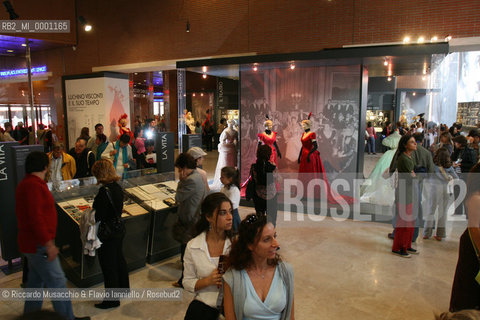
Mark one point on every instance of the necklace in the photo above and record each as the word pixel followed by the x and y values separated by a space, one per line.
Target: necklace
pixel 259 275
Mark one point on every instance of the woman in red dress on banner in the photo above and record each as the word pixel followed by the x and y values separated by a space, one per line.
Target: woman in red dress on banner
pixel 269 138
pixel 310 162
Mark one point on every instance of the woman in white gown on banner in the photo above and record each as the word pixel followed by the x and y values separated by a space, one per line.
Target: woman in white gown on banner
pixel 227 153
pixel 376 189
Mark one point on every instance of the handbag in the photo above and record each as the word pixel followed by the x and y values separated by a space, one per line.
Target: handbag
pixel 111 229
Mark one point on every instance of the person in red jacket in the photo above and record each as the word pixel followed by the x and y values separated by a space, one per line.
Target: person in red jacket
pixel 37 225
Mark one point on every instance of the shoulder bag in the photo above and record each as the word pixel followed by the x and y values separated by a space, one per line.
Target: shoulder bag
pixel 114 228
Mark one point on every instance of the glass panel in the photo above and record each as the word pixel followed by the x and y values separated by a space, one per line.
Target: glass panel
pixel 4 115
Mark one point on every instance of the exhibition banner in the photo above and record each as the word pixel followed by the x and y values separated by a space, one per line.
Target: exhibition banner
pixel 96 99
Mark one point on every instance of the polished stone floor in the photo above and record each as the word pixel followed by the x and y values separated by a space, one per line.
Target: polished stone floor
pixel 343 270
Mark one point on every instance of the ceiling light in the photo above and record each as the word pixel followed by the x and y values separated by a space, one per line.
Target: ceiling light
pixel 385 63
pixel 9 50
pixel 188 27
pixel 434 39
pixel 448 38
pixel 204 69
pixel 24 44
pixel 414 94
pixel 193 95
pixel 144 80
pixel 421 39
pixel 83 22
pixel 389 78
pixel 201 94
pixel 406 39
pixel 292 66
pixel 255 68
pixel 204 76
pixel 136 73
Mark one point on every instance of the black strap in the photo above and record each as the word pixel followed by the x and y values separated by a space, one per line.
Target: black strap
pixel 111 201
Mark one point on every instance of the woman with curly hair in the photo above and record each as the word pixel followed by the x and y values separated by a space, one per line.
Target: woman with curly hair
pixel 258 284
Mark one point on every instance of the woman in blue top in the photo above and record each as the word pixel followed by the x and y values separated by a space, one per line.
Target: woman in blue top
pixel 258 285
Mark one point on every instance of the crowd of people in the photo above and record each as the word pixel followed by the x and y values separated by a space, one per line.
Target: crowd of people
pixel 232 265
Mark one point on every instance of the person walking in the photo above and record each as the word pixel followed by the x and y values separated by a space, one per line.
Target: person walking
pixel 37 226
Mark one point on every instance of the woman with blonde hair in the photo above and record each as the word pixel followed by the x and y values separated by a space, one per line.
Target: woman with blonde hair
pixel 108 205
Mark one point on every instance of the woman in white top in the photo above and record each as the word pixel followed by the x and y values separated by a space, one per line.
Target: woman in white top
pixel 203 268
pixel 230 178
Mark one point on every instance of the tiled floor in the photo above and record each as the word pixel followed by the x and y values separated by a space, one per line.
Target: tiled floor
pixel 343 270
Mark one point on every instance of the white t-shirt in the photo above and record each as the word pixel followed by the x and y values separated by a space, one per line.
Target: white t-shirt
pixel 233 194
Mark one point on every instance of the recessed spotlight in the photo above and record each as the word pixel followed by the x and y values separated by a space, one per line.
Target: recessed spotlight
pixel 448 38
pixel 385 63
pixel 421 39
pixel 9 50
pixel 193 94
pixel 424 78
pixel 255 68
pixel 24 44
pixel 406 39
pixel 204 69
pixel 414 94
pixel 88 27
pixel 389 79
pixel 201 94
pixel 292 66
pixel 204 76
pixel 136 73
pixel 144 80
pixel 434 39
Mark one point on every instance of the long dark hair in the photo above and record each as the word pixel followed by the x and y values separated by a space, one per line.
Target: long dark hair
pixel 210 205
pixel 473 181
pixel 232 173
pixel 402 147
pixel 249 233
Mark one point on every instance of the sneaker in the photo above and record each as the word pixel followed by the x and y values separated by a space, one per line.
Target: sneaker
pixel 402 254
pixel 426 237
pixel 412 251
pixel 391 236
pixel 437 238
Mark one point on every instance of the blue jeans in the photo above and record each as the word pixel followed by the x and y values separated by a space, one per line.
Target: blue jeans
pixel 236 220
pixel 371 144
pixel 46 274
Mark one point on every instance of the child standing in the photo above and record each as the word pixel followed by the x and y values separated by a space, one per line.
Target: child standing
pixel 440 197
pixel 230 179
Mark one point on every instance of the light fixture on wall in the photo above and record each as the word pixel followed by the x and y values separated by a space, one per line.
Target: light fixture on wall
pixel 13 15
pixel 83 22
pixel 188 26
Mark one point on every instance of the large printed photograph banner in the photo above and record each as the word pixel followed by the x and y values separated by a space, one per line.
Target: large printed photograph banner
pixel 96 100
pixel 330 93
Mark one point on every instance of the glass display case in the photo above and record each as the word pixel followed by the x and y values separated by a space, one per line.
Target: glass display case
pixel 139 214
pixel 157 194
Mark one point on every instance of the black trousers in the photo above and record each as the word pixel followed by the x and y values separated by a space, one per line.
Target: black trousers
pixel 198 310
pixel 183 247
pixel 267 207
pixel 113 264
